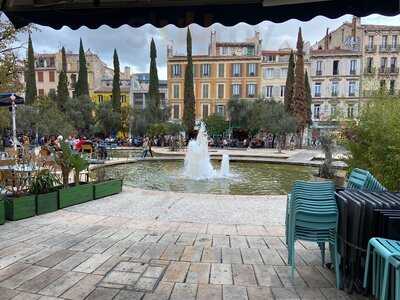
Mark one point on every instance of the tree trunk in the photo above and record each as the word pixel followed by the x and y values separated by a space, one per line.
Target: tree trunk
pixel 76 177
pixel 65 176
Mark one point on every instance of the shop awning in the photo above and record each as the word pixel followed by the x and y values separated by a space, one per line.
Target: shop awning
pixel 94 13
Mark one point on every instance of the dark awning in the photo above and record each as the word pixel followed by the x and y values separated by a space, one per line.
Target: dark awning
pixel 5 99
pixel 94 13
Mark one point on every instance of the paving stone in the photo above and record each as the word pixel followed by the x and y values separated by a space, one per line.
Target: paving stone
pixel 211 255
pixel 6 294
pixel 243 275
pixel 108 265
pixel 204 240
pixel 221 241
pixel 275 243
pixel 184 291
pixel 58 287
pixel 128 266
pixel 41 281
pixel 284 274
pixel 152 237
pixel 176 272
pixel 21 277
pixel 251 230
pixel 137 250
pixel 169 238
pixel 251 256
pixel 146 284
pixel 102 294
pixel 83 288
pixel 312 277
pixel 221 274
pixel 25 296
pixel 154 271
pixel 259 293
pixel 198 273
pixel 192 253
pixel 271 257
pixel 101 246
pixel 310 293
pixel 238 241
pixel 128 295
pixel 334 294
pixel 231 256
pixel 31 259
pixel 232 292
pixel 73 261
pixel 173 252
pixel 266 276
pixel 12 270
pixel 155 251
pixel 9 259
pixel 285 294
pixel 256 242
pixel 92 263
pixel 329 275
pixel 122 278
pixel 221 229
pixel 209 292
pixel 186 239
pixel 284 255
pixel 162 292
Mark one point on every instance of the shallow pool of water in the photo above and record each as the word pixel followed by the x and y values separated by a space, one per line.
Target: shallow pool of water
pixel 247 178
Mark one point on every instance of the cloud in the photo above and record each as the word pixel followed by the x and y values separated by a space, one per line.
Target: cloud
pixel 132 44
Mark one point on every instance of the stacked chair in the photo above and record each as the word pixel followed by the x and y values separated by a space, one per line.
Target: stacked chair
pixel 386 261
pixel 363 180
pixel 312 216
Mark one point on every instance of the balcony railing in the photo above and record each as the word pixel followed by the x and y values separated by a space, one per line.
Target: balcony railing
pixel 394 70
pixel 384 48
pixel 353 72
pixel 388 71
pixel 369 71
pixel 370 48
pixel 395 48
pixel 318 73
pixel 383 70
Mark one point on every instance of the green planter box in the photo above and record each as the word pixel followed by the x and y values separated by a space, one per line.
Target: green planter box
pixel 46 203
pixel 75 195
pixel 2 212
pixel 107 188
pixel 20 208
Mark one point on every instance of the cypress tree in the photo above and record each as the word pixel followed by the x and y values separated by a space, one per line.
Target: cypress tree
pixel 299 97
pixel 82 86
pixel 289 87
pixel 308 99
pixel 30 76
pixel 189 100
pixel 153 108
pixel 116 89
pixel 62 87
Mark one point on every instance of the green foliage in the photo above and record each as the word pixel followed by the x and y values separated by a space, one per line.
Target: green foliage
pixel 63 159
pixel 62 86
pixel 238 110
pixel 107 120
pixel 173 128
pixel 30 78
pixel 308 99
pixel 289 87
pixel 374 141
pixel 82 85
pixel 78 164
pixel 189 117
pixel 116 89
pixel 156 129
pixel 216 125
pixel 44 182
pixel 79 112
pixel 153 109
pixel 139 123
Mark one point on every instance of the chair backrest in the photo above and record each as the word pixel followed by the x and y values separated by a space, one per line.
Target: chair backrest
pixel 88 148
pixel 363 180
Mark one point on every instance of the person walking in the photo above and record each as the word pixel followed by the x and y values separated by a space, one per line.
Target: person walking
pixel 145 146
pixel 149 143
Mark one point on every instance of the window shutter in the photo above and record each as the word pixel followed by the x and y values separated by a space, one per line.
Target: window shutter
pixel 240 90
pixel 240 69
pixel 231 69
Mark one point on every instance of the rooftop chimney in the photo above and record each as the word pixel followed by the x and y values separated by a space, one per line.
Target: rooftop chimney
pixel 326 41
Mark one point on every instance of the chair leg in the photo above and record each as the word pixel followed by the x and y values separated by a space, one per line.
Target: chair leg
pixel 397 281
pixel 293 258
pixel 321 246
pixel 384 286
pixel 335 257
pixel 374 269
pixel 365 283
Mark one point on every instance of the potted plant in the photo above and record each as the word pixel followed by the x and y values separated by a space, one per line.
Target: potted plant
pixel 44 186
pixel 68 160
pixel 103 187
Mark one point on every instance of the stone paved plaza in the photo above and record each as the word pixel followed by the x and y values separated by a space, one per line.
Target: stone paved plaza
pixel 160 245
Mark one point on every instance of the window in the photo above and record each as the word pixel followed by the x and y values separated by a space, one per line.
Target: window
pixel 317 109
pixel 204 90
pixel 100 98
pixel 236 90
pixel 205 111
pixel 220 91
pixel 393 64
pixel 394 41
pixel 392 87
pixel 250 51
pixel 123 98
pixel 236 70
pixel 383 64
pixel 176 70
pixel 353 67
pixel 370 41
pixel 282 94
pixel 318 71
pixel 370 63
pixel 251 90
pixel 384 41
pixel 382 84
pixel 221 70
pixel 352 88
pixel 41 91
pixel 51 76
pixel 335 88
pixel 284 72
pixel 317 89
pixel 268 73
pixel 176 91
pixel 220 110
pixel 52 92
pixel 268 91
pixel 205 70
pixel 350 111
pixel 333 110
pixel 335 70
pixel 252 69
pixel 40 76
pixel 175 112
pixel 224 50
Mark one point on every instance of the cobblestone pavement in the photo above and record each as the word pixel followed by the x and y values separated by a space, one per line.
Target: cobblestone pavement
pixel 76 253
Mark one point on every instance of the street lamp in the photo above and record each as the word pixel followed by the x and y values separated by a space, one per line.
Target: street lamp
pixel 14 127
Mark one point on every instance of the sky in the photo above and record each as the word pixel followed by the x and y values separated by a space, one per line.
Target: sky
pixel 132 44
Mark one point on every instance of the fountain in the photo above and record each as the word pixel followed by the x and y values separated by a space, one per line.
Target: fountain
pixel 197 160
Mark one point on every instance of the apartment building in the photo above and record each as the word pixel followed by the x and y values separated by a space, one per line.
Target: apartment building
pixel 139 92
pixel 228 70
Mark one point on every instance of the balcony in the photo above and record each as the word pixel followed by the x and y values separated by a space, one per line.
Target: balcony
pixel 318 73
pixel 370 48
pixel 369 71
pixel 395 48
pixel 394 70
pixel 383 70
pixel 384 48
pixel 389 71
pixel 353 72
